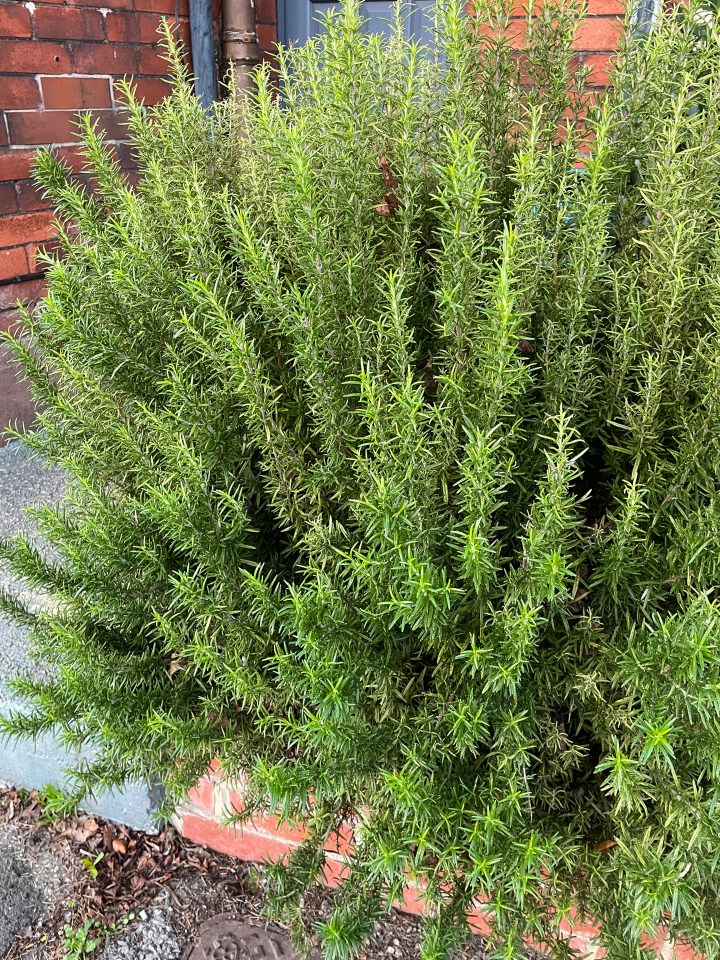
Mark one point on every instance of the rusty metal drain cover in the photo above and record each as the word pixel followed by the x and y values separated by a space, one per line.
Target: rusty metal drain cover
pixel 224 938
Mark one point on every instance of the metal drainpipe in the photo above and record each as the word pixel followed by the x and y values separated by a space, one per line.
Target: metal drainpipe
pixel 239 40
pixel 203 51
pixel 644 16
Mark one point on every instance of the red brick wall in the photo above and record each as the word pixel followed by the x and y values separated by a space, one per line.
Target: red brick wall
pixel 598 37
pixel 215 799
pixel 58 57
pixel 61 56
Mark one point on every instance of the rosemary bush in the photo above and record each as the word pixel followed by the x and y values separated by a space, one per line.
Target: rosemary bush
pixel 390 406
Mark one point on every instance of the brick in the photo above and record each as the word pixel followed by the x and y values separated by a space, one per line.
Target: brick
pixel 151 90
pixel 272 62
pixel 261 840
pixel 15 20
pixel 104 58
pixel 215 770
pixel 4 138
pixel 153 37
pixel 113 123
pixel 61 126
pixel 271 826
pixel 583 947
pixel 228 800
pixel 35 56
pixel 597 34
pixel 151 62
pixel 341 841
pixel 683 951
pixel 165 7
pixel 517 33
pixel 266 11
pixel 9 321
pixel 72 158
pixel 613 7
pixel 19 93
pixel 116 4
pixel 245 843
pixel 413 901
pixel 183 34
pixel 16 164
pixel 267 36
pixel 145 29
pixel 13 263
pixel 34 250
pixel 202 796
pixel 40 127
pixel 599 65
pixel 334 872
pixel 133 27
pixel 8 198
pixel 27 291
pixel 67 93
pixel 24 228
pixel 126 155
pixel 479 922
pixel 30 197
pixel 68 23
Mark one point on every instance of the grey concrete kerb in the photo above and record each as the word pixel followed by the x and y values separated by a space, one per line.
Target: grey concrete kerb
pixel 26 481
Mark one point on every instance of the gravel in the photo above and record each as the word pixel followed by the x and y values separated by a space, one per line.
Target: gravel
pixel 153 937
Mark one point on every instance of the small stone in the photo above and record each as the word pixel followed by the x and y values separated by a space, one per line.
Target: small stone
pixel 150 939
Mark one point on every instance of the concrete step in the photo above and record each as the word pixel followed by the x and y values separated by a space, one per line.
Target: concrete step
pixel 25 481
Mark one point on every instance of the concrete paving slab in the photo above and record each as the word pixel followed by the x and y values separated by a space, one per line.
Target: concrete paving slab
pixel 26 481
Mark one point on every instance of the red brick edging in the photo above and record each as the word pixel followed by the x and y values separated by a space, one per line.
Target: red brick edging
pixel 201 819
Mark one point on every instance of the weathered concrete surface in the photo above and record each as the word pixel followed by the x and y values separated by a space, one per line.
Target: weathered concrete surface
pixel 26 481
pixel 20 904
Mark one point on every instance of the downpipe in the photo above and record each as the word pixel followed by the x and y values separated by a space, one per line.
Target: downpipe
pixel 240 47
pixel 202 46
pixel 240 50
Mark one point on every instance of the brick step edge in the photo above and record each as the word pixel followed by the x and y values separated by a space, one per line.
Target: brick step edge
pixel 202 820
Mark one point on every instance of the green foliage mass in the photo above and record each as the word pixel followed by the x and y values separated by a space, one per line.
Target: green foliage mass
pixel 390 406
